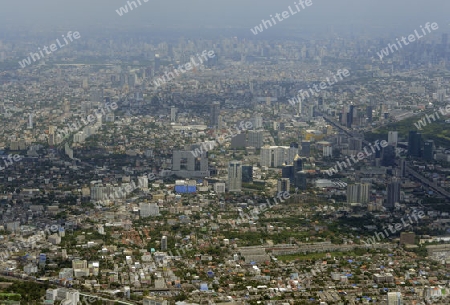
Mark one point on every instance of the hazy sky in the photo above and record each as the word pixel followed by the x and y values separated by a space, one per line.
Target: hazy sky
pixel 367 14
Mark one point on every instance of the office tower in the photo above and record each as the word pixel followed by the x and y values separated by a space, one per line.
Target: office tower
pixel 287 171
pixel 191 163
pixel 394 298
pixel 255 139
pixel 402 168
pixel 215 112
pixel 355 144
pixel 164 243
pixel 369 110
pixel 173 114
pixel 350 115
pixel 247 173
pixel 388 156
pixel 393 194
pixel 30 121
pixel 234 176
pixel 239 141
pixel 258 122
pixel 147 209
pixel 221 123
pixel 440 95
pixel 358 193
pixel 276 156
pixel 297 163
pixel 300 180
pixel 393 138
pixel 428 150
pixel 283 185
pixel 414 143
pixel 306 149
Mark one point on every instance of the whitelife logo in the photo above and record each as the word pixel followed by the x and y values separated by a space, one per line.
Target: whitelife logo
pixel 188 66
pixel 411 38
pixel 301 94
pixel 360 156
pixel 124 9
pixel 435 116
pixel 53 47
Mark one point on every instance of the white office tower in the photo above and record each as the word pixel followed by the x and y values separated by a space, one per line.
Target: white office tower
pixel 234 176
pixel 143 183
pixel 30 121
pixel 79 137
pixel 393 138
pixel 148 209
pixel 276 156
pixel 358 193
pixel 173 114
pixel 258 122
pixel 164 243
pixel 394 298
pixel 219 187
pixel 327 150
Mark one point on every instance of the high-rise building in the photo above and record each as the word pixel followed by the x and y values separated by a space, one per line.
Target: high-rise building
pixel 257 122
pixel 215 112
pixel 414 143
pixel 283 185
pixel 358 193
pixel 276 156
pixel 393 194
pixel 234 176
pixel 393 138
pixel 147 209
pixel 402 168
pixel 394 298
pixel 255 139
pixel 164 243
pixel 247 173
pixel 186 165
pixel 173 114
pixel 428 150
pixel 369 110
pixel 388 156
pixel 306 149
pixel 30 121
pixel 300 180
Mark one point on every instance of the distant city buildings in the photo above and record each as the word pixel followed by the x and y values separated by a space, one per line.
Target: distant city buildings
pixel 234 176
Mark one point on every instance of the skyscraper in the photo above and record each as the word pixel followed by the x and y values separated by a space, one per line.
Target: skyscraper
pixel 255 139
pixel 393 194
pixel 164 243
pixel 215 111
pixel 173 114
pixel 369 110
pixel 358 193
pixel 393 138
pixel 414 143
pixel 283 185
pixel 306 149
pixel 234 176
pixel 247 173
pixel 30 121
pixel 428 150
